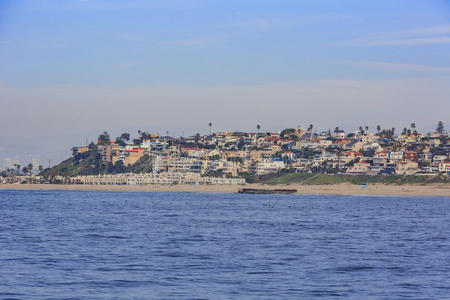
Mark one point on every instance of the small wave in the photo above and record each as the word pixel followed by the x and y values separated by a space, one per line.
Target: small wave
pixel 354 268
pixel 105 236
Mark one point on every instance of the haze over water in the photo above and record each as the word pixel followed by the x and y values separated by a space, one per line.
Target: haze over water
pixel 125 245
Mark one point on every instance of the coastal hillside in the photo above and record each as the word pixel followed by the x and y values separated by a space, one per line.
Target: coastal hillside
pixel 90 163
pixel 292 156
pixel 326 179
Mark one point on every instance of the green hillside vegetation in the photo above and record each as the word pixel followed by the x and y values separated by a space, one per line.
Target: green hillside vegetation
pixel 323 179
pixel 89 163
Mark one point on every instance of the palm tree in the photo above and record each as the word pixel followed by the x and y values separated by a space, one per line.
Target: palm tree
pixel 413 126
pixel 367 128
pixel 404 131
pixel 440 127
pixel 378 128
pixel 210 125
pixel 310 128
pixel 30 169
pixel 258 127
pixel 25 170
pixel 41 168
pixel 197 138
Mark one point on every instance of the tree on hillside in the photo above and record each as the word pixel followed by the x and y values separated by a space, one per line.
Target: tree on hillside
pixel 120 142
pixel 378 128
pixel 361 130
pixel 413 125
pixel 440 127
pixel 119 167
pixel 103 138
pixel 210 128
pixel 287 132
pixel 197 138
pixel 145 135
pixel 125 136
pixel 310 129
pixel 258 127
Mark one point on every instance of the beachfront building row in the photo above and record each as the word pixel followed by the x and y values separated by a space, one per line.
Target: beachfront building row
pixel 154 179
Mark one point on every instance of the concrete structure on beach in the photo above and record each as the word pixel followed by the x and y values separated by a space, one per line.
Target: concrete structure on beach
pixel 153 178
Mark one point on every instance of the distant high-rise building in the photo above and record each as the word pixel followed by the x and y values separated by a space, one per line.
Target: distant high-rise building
pixel 8 163
pixel 14 163
pixel 35 162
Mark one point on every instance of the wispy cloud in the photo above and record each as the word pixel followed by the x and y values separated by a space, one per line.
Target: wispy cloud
pixel 124 66
pixel 186 42
pixel 397 66
pixel 127 37
pixel 435 30
pixel 106 5
pixel 285 20
pixel 402 42
pixel 417 36
pixel 124 37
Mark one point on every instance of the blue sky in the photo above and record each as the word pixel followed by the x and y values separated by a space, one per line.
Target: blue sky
pixel 71 69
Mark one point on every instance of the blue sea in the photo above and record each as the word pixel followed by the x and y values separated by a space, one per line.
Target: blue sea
pixel 136 245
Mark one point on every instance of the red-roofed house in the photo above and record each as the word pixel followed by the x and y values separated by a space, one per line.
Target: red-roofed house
pixel 133 155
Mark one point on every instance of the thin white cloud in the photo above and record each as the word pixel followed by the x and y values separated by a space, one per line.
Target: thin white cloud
pixel 124 66
pixel 434 30
pixel 284 20
pixel 397 66
pixel 140 38
pixel 186 42
pixel 403 42
pixel 106 5
pixel 418 36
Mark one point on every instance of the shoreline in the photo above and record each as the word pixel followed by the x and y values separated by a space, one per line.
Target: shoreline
pixel 335 189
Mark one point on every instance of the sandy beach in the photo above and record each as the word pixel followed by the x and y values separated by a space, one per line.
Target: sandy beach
pixel 339 189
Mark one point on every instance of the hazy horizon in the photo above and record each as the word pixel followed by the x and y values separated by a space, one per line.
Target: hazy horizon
pixel 72 69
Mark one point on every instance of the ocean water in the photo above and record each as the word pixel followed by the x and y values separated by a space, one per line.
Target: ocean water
pixel 127 245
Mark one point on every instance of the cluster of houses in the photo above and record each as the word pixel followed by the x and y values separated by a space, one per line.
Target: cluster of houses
pixel 234 154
